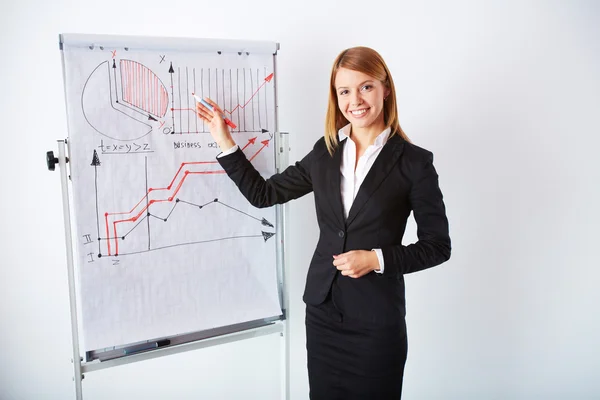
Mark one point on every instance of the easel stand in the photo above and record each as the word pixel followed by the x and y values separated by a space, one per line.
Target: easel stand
pixel 173 347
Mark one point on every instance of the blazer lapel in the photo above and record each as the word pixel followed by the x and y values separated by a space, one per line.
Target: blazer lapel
pixel 333 174
pixel 381 168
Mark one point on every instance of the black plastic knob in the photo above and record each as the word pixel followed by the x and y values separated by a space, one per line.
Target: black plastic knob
pixel 51 161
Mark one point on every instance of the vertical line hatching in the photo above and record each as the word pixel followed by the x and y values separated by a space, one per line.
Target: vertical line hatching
pixel 179 87
pixel 195 119
pixel 147 205
pixel 257 80
pixel 237 84
pixel 202 90
pixel 266 104
pixel 230 91
pixel 252 99
pixel 244 69
pixel 187 88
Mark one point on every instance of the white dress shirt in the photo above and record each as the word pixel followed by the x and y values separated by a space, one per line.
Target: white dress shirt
pixel 351 178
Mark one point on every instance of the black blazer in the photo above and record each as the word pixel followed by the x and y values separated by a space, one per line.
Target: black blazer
pixel 402 179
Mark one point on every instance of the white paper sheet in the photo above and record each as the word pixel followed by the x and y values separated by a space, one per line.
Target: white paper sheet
pixel 166 243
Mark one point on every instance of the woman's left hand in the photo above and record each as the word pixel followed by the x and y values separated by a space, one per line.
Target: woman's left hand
pixel 356 263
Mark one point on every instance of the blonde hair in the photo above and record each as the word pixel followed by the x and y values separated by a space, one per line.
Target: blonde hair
pixel 367 61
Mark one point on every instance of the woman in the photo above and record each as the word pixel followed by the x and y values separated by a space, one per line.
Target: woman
pixel 366 178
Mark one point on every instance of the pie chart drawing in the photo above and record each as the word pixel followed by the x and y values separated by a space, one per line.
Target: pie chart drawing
pixel 122 103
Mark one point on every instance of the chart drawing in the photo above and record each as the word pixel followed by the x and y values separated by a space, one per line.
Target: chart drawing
pixel 237 90
pixel 166 244
pixel 141 88
pixel 143 99
pixel 120 225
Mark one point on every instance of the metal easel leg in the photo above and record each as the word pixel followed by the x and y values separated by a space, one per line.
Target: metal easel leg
pixel 64 180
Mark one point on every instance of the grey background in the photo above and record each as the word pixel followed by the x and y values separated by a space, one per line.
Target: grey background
pixel 505 94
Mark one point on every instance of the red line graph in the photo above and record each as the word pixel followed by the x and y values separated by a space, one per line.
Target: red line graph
pixel 266 80
pixel 126 216
pixel 242 106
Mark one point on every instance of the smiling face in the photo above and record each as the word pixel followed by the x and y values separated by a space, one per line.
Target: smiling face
pixel 360 99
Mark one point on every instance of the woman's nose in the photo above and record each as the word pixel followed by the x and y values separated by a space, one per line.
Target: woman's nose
pixel 355 100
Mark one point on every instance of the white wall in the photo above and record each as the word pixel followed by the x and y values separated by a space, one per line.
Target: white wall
pixel 506 95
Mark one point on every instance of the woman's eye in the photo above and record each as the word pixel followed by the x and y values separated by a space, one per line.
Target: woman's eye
pixel 367 87
pixel 343 92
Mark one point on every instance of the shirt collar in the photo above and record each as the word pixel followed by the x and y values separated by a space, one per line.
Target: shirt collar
pixel 380 140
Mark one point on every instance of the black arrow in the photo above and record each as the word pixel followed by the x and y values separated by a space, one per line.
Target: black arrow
pixel 115 72
pixel 96 163
pixel 171 72
pixel 95 160
pixel 266 223
pixel 262 221
pixel 267 235
pixel 124 104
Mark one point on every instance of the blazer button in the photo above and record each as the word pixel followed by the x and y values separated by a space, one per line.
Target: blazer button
pixel 341 234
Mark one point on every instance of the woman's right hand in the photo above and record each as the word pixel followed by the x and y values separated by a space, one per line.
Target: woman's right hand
pixel 216 124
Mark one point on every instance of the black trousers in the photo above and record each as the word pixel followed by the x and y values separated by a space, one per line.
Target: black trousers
pixel 348 359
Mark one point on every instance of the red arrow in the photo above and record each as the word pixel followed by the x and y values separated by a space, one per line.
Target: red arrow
pixel 250 141
pixel 267 80
pixel 265 143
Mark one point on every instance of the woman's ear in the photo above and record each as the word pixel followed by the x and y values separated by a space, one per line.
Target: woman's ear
pixel 386 93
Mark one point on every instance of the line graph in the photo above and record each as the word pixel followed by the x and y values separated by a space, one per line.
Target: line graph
pixel 232 89
pixel 216 202
pixel 266 80
pixel 166 194
pixel 165 242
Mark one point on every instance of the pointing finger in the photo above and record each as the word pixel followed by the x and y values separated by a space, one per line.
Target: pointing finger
pixel 215 105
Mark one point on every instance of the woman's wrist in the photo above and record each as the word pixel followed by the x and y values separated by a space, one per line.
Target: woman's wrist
pixel 226 144
pixel 375 261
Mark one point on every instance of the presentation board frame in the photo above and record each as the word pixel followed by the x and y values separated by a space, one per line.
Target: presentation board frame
pixel 150 349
